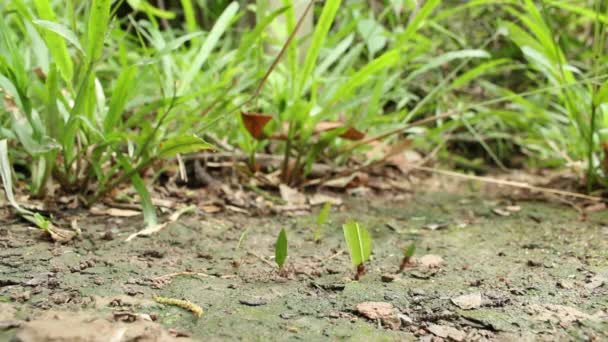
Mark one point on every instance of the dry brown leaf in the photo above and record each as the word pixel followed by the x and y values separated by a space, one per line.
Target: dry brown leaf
pixel 383 311
pixel 158 227
pixel 321 199
pixel 468 301
pixel 210 209
pixel 560 314
pixel 292 196
pixel 255 123
pixel 448 332
pixel 116 212
pixel 430 261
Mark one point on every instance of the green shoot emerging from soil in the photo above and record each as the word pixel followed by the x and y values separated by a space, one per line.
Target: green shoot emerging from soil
pixel 321 219
pixel 280 250
pixel 359 244
pixel 408 253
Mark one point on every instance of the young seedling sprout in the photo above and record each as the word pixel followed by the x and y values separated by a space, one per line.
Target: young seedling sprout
pixel 280 251
pixel 408 253
pixel 321 219
pixel 359 244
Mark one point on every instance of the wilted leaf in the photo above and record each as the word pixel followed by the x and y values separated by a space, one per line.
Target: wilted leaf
pixel 280 251
pixel 158 227
pixel 255 123
pixel 292 196
pixel 430 261
pixel 358 241
pixel 468 301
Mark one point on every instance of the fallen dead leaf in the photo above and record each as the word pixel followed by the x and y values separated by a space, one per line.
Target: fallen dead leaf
pixel 115 212
pixel 430 261
pixel 255 123
pixel 210 209
pixel 561 314
pixel 158 227
pixel 383 311
pixel 292 196
pixel 448 332
pixel 501 212
pixel 321 199
pixel 468 301
pixel 596 282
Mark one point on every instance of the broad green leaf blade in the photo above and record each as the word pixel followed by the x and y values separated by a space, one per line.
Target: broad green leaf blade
pixel 324 214
pixel 358 241
pixel 183 144
pixel 61 30
pixel 210 43
pixel 280 250
pixel 417 22
pixel 410 250
pixel 120 95
pixel 54 42
pixel 144 6
pixel 318 39
pixel 99 18
pixel 148 208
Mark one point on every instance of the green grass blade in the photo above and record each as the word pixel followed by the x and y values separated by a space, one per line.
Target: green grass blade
pixel 188 8
pixel 210 43
pixel 55 43
pixel 382 62
pixel 62 31
pixel 183 144
pixel 99 18
pixel 417 21
pixel 318 39
pixel 144 6
pixel 120 95
pixel 280 250
pixel 358 241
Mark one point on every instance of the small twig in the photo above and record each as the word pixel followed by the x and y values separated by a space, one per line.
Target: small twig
pixel 333 256
pixel 177 274
pixel 396 130
pixel 509 183
pixel 262 259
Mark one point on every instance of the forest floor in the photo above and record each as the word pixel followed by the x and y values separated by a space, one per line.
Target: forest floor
pixel 486 268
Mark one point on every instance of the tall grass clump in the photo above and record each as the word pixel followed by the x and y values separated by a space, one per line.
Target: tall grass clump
pixel 90 106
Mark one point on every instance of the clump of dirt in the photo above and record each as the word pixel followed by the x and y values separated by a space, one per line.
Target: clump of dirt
pixel 484 269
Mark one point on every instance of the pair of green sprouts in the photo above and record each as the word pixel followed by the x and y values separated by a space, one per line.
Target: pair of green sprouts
pixel 358 241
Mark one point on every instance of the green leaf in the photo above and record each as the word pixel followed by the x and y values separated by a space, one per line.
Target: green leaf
pixel 410 250
pixel 602 95
pixel 212 39
pixel 321 219
pixel 144 6
pixel 54 42
pixel 61 30
pixel 183 144
pixel 99 17
pixel 324 214
pixel 358 241
pixel 120 95
pixel 318 39
pixel 280 250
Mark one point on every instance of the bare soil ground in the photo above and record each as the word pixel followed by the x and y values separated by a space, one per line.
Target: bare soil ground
pixel 486 269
